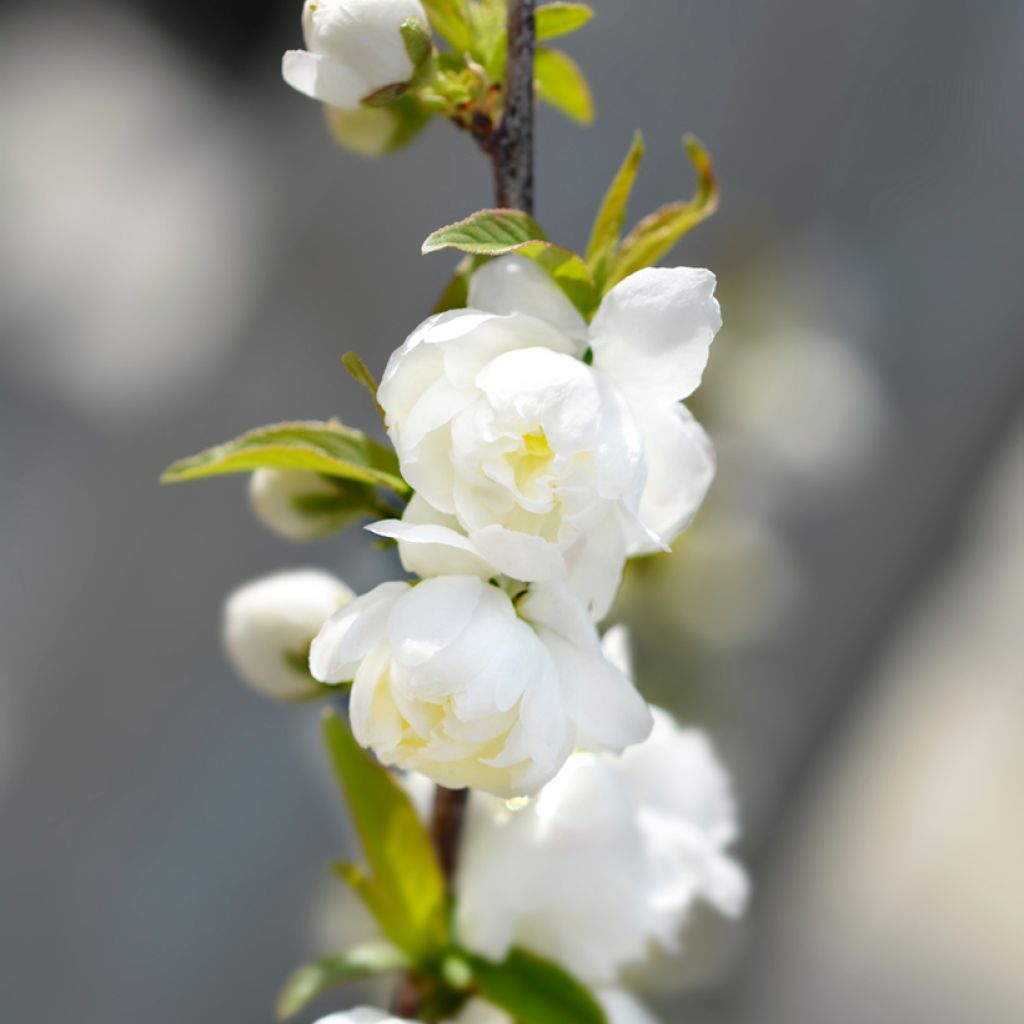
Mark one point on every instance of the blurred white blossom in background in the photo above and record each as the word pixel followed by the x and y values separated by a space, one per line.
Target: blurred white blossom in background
pixel 133 241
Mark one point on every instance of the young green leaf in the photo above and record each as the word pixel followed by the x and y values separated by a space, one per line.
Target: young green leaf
pixel 559 19
pixel 534 990
pixel 657 233
pixel 607 230
pixel 487 20
pixel 497 232
pixel 486 233
pixel 312 980
pixel 325 447
pixel 450 19
pixel 562 84
pixel 404 887
pixel 455 294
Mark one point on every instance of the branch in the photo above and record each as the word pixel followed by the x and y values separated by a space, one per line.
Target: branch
pixel 512 148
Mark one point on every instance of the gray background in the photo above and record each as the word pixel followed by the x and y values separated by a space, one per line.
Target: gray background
pixel 185 254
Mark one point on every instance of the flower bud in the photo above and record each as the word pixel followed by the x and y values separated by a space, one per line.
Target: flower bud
pixel 353 49
pixel 269 624
pixel 298 504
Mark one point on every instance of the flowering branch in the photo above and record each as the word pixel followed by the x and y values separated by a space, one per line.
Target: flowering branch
pixel 537 440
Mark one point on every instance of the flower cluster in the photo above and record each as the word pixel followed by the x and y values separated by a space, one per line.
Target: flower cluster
pixel 538 440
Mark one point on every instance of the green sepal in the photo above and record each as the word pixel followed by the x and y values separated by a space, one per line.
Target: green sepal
pixel 419 44
pixel 534 990
pixel 402 885
pixel 313 979
pixel 611 218
pixel 326 447
pixel 559 19
pixel 658 232
pixel 455 294
pixel 385 95
pixel 561 84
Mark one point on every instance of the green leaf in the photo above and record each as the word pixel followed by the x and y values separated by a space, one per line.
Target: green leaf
pixel 657 233
pixel 562 84
pixel 559 19
pixel 325 447
pixel 497 232
pixel 607 230
pixel 534 991
pixel 312 980
pixel 450 19
pixel 487 19
pixel 486 233
pixel 404 887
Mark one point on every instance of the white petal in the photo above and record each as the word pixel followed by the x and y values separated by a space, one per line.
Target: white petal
pixel 652 333
pixel 430 543
pixel 595 564
pixel 680 469
pixel 622 1007
pixel 322 79
pixel 431 615
pixel 350 634
pixel 514 284
pixel 600 699
pixel 519 555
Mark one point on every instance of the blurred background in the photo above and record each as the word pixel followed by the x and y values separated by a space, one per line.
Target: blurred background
pixel 185 254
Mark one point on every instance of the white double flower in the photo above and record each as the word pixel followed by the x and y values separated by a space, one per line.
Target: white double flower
pixel 608 861
pixel 530 460
pixel 455 679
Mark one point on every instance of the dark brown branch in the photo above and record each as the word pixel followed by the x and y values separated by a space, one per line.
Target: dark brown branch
pixel 512 147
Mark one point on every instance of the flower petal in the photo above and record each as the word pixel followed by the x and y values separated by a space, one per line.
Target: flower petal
pixel 514 284
pixel 351 633
pixel 680 469
pixel 652 333
pixel 322 79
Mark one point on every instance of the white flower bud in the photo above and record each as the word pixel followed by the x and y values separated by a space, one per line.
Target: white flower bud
pixel 268 626
pixel 298 504
pixel 609 859
pixel 453 679
pixel 353 49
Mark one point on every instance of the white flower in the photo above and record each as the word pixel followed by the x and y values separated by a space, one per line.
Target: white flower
pixel 269 624
pixel 453 679
pixel 353 48
pixel 539 465
pixel 608 860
